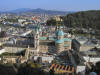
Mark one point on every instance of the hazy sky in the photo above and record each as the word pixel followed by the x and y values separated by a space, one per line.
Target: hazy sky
pixel 65 5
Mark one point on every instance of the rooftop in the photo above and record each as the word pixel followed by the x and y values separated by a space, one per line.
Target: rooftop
pixel 52 38
pixel 67 39
pixel 43 38
pixel 95 52
pixel 85 41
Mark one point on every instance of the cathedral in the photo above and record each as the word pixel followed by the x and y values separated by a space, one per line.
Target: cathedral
pixel 54 44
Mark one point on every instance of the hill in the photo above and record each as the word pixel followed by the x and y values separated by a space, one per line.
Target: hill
pixel 83 19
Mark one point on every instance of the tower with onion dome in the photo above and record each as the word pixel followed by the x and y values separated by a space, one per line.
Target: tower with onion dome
pixel 59 40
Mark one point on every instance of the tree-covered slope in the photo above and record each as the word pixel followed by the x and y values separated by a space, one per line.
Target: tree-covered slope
pixel 83 19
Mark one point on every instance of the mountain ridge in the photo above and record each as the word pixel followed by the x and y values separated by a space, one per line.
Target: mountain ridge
pixel 37 11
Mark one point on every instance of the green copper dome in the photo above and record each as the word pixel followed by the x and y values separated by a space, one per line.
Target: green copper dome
pixel 59 41
pixel 60 33
pixel 67 39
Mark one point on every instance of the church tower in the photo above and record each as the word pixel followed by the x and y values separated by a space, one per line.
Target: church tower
pixel 36 39
pixel 59 41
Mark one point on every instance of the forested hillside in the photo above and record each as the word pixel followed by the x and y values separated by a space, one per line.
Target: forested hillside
pixel 83 19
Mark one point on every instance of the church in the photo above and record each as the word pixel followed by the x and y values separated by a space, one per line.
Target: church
pixel 55 44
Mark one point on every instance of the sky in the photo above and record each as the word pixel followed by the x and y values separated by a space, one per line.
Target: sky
pixel 63 5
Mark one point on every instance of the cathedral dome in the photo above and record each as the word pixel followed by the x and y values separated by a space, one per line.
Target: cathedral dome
pixel 60 33
pixel 59 41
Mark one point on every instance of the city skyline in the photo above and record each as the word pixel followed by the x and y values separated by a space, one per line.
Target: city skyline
pixel 63 5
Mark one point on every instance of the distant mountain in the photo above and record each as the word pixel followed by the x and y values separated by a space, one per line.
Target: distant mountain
pixel 38 11
pixel 16 11
pixel 21 10
pixel 49 12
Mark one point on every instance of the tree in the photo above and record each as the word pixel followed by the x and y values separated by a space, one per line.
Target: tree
pixel 83 19
pixel 30 69
pixel 54 61
pixel 51 22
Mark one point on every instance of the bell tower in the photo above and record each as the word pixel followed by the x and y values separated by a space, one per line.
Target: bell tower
pixel 36 39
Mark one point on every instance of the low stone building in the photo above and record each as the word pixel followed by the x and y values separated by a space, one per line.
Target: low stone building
pixel 83 44
pixel 16 59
